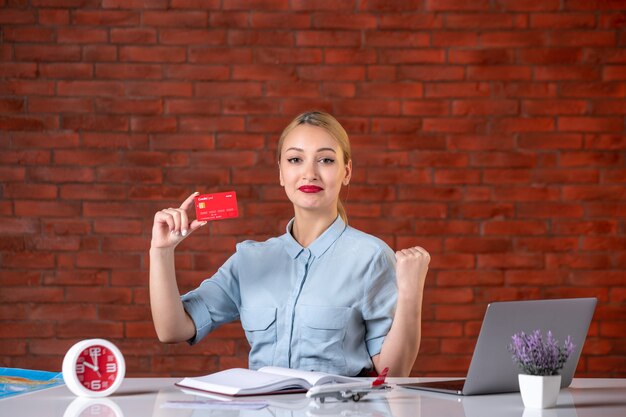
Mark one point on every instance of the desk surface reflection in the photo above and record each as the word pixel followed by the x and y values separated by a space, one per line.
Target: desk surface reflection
pixel 151 397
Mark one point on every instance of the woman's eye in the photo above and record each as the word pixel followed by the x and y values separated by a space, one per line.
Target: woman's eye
pixel 327 160
pixel 293 160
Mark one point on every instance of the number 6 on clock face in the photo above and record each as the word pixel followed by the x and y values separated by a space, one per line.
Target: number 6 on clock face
pixel 93 368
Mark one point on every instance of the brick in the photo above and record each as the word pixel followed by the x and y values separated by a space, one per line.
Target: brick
pixel 607 141
pixel 61 105
pixel 308 38
pixel 563 73
pixel 508 39
pixel 590 124
pixel 431 73
pixel 528 5
pixel 397 39
pixel 152 54
pixel 453 125
pixel 525 124
pixel 456 5
pixel 456 90
pixel 587 90
pixel 90 88
pixel 192 36
pixel 612 107
pixel 412 56
pixel 484 107
pixel 18 70
pixel 32 87
pixel 577 261
pixel 479 142
pixel 53 16
pixel 76 278
pixel 479 210
pixel 483 56
pixel 45 208
pixel 196 72
pixel 129 174
pixel 412 21
pixel 578 38
pixel 47 53
pixel 574 159
pixel 31 330
pixel 106 18
pixel 548 210
pixel 478 245
pixel 134 106
pixel 128 71
pixel 483 20
pixel 26 123
pixel 562 21
pixel 73 35
pixel 263 20
pixel 114 140
pixel 146 35
pixel 550 56
pixel 159 89
pixel 14 16
pixel 528 90
pixel 100 53
pixel 96 122
pixel 508 261
pixel 28 34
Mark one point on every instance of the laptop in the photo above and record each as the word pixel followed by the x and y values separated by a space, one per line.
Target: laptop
pixel 492 369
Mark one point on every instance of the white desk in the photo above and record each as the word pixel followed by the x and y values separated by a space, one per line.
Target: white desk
pixel 144 397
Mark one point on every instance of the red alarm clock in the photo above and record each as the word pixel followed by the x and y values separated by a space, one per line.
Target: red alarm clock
pixel 93 368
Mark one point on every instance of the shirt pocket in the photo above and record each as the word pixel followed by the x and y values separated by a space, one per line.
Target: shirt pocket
pixel 259 324
pixel 323 331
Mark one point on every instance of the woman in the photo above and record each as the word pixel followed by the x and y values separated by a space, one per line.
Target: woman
pixel 320 297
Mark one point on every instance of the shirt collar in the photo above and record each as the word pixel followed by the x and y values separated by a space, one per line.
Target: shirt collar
pixel 320 245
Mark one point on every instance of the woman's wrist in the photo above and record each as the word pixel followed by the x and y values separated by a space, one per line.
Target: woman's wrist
pixel 160 251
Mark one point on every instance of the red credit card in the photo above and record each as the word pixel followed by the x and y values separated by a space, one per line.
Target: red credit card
pixel 216 206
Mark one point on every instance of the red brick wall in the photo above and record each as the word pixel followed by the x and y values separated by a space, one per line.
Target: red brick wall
pixel 489 131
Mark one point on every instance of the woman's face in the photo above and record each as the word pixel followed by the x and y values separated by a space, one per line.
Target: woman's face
pixel 312 168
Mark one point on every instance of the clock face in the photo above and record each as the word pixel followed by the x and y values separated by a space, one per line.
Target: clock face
pixel 93 368
pixel 96 368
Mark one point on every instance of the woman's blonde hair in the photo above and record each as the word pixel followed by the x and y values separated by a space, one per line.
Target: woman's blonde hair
pixel 333 127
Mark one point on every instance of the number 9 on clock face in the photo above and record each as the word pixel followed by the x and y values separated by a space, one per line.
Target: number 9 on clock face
pixel 93 368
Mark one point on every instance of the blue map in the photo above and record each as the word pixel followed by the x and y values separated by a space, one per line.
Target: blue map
pixel 15 381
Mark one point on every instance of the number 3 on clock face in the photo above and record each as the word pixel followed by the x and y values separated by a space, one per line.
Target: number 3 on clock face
pixel 93 368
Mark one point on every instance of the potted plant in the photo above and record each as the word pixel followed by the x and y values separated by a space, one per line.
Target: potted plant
pixel 540 362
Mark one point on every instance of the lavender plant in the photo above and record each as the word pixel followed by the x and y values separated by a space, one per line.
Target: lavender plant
pixel 534 356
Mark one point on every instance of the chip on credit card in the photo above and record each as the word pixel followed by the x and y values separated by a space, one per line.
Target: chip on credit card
pixel 216 206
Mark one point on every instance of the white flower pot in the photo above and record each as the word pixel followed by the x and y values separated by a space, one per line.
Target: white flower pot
pixel 539 391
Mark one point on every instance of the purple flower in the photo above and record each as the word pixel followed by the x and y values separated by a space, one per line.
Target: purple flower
pixel 536 356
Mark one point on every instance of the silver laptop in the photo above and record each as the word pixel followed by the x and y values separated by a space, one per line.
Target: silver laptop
pixel 492 369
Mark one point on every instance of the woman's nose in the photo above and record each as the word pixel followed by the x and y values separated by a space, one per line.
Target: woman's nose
pixel 310 171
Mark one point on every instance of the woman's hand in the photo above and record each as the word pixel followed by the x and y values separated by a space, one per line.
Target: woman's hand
pixel 411 270
pixel 172 225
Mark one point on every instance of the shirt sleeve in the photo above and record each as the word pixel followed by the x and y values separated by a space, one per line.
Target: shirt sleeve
pixel 380 299
pixel 216 301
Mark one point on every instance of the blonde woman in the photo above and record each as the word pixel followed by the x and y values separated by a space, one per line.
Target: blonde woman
pixel 323 296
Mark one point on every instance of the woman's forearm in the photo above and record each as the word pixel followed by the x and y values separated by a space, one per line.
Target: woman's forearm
pixel 402 343
pixel 171 322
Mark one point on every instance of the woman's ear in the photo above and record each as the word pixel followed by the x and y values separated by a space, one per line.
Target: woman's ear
pixel 280 176
pixel 346 179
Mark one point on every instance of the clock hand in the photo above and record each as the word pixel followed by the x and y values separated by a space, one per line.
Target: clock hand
pixel 88 365
pixel 94 359
pixel 95 368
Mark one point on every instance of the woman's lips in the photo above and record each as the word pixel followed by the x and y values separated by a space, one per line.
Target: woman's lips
pixel 310 189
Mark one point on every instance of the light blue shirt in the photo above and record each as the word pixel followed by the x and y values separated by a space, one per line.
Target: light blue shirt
pixel 326 308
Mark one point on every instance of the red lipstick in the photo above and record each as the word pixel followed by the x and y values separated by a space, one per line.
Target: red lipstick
pixel 310 189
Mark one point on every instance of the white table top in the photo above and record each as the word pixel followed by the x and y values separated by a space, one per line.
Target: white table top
pixel 145 397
